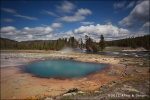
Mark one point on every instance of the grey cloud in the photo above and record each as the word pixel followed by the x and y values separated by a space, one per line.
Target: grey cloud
pixel 139 14
pixel 145 27
pixel 66 7
pixel 78 16
pixel 130 5
pixel 126 22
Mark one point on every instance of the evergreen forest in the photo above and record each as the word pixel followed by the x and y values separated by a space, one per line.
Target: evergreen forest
pixel 89 44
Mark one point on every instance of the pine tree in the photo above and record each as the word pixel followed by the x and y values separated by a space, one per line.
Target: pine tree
pixel 102 43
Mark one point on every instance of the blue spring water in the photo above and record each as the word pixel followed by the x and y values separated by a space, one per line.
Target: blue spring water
pixel 63 68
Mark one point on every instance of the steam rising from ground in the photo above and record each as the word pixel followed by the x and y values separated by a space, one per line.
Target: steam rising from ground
pixel 66 50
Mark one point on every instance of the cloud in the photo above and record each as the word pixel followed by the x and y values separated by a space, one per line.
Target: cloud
pixel 26 17
pixel 18 15
pixel 8 29
pixel 139 14
pixel 48 30
pixel 7 20
pixel 29 36
pixel 9 10
pixel 127 22
pixel 37 33
pixel 56 25
pixel 109 31
pixel 130 5
pixel 119 5
pixel 145 27
pixel 46 33
pixel 49 36
pixel 78 16
pixel 87 23
pixel 49 13
pixel 68 15
pixel 139 1
pixel 69 32
pixel 26 33
pixel 72 18
pixel 37 30
pixel 83 12
pixel 108 22
pixel 66 7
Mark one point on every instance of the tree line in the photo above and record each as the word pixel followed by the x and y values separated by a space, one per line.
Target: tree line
pixel 133 42
pixel 38 44
pixel 51 44
pixel 89 44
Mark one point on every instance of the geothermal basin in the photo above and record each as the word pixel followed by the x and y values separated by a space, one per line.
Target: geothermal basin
pixel 62 68
pixel 21 73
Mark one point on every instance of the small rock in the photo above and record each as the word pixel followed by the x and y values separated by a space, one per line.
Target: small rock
pixel 137 71
pixel 140 64
pixel 97 91
pixel 69 94
pixel 81 92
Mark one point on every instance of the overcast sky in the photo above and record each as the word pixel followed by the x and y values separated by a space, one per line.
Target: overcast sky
pixel 24 20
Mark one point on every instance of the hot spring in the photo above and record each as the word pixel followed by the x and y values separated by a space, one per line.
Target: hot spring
pixel 63 68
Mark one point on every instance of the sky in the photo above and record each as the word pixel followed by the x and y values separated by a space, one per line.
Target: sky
pixel 24 20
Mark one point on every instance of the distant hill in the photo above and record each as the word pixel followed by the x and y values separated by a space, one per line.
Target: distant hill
pixel 7 43
pixel 8 40
pixel 34 44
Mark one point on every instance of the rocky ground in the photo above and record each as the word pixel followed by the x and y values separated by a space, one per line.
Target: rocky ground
pixel 128 87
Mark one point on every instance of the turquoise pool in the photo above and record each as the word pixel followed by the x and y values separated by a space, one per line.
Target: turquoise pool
pixel 63 68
